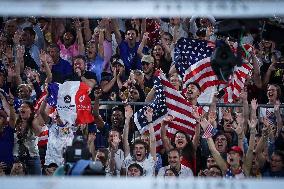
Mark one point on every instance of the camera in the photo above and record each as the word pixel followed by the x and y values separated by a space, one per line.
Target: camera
pixel 77 151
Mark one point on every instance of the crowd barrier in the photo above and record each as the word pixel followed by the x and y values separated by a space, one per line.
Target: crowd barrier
pixel 139 183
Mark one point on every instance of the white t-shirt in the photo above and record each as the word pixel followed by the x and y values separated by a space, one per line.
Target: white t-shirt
pixel 183 173
pixel 148 164
pixel 58 139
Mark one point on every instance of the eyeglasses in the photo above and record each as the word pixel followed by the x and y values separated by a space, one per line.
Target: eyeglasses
pixel 145 63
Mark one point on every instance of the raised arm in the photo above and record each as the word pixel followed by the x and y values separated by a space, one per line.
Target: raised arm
pixel 245 113
pixel 216 155
pixel 149 116
pixel 91 144
pixel 166 141
pixel 42 110
pixel 113 149
pixel 269 71
pixel 80 39
pixel 262 143
pixel 101 43
pixel 142 44
pixel 98 119
pixel 128 115
pixel 43 59
pixel 256 71
pixel 116 31
pixel 107 85
pixel 249 155
pixel 278 117
pixel 87 30
pixel 239 129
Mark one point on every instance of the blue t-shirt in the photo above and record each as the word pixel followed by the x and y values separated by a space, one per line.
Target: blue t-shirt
pixel 96 66
pixel 6 146
pixel 130 57
pixel 61 70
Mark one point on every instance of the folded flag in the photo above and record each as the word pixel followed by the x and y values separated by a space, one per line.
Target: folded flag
pixel 72 101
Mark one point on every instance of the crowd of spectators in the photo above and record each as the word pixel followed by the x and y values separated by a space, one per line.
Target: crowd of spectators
pixel 117 58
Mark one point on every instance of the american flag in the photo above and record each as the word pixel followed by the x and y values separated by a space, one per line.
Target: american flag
pixel 168 101
pixel 192 59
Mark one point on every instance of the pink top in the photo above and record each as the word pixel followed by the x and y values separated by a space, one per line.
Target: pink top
pixel 68 53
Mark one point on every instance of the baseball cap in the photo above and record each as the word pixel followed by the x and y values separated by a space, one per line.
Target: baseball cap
pixel 116 61
pixel 148 59
pixel 236 149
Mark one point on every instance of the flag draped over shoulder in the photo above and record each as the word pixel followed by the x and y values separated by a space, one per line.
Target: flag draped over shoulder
pixel 168 101
pixel 192 60
pixel 72 101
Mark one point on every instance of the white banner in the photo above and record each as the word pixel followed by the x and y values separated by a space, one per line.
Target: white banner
pixel 141 183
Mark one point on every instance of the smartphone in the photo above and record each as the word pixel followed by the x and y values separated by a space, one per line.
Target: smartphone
pixel 279 66
pixel 221 94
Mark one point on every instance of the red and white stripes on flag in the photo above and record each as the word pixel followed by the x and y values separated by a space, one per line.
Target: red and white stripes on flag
pixel 168 101
pixel 203 74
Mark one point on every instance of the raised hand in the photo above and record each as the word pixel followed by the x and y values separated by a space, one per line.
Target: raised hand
pixel 252 124
pixel 240 119
pixel 145 37
pixel 254 104
pixel 91 137
pixel 98 92
pixel 128 112
pixel 77 24
pixel 277 106
pixel 43 56
pixel 149 114
pixel 167 119
pixel 196 113
pixel 212 117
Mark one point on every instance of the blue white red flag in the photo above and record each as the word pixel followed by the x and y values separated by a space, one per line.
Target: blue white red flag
pixel 72 101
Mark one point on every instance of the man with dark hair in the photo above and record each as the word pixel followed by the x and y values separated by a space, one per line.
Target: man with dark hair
pixel 275 168
pixel 60 68
pixel 193 91
pixel 174 159
pixel 128 48
pixel 134 170
pixel 32 46
pixel 80 73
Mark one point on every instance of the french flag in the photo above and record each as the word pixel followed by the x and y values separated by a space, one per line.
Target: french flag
pixel 72 101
